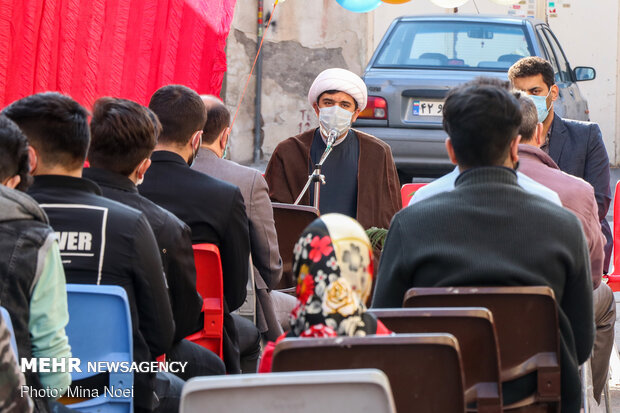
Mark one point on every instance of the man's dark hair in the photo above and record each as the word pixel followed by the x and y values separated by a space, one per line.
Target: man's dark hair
pixel 530 119
pixel 13 153
pixel 481 120
pixel 333 92
pixel 532 66
pixel 218 119
pixel 491 81
pixel 55 125
pixel 123 134
pixel 180 111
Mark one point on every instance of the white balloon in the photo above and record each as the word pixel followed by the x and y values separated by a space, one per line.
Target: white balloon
pixel 449 3
pixel 505 2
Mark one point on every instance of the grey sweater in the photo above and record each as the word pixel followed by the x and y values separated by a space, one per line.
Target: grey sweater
pixel 490 232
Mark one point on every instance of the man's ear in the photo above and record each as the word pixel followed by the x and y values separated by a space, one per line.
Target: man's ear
pixel 355 115
pixel 196 139
pixel 13 181
pixel 33 159
pixel 450 150
pixel 555 92
pixel 315 106
pixel 224 137
pixel 539 139
pixel 514 149
pixel 143 167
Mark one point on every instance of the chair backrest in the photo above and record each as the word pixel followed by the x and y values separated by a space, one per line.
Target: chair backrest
pixel 614 278
pixel 474 329
pixel 210 285
pixel 364 390
pixel 99 330
pixel 9 325
pixel 424 369
pixel 407 191
pixel 209 281
pixel 290 221
pixel 526 321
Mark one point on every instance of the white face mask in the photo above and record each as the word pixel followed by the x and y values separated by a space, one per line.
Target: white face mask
pixel 334 118
pixel 140 180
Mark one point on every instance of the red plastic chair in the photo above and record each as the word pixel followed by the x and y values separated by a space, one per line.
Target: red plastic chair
pixel 209 284
pixel 407 191
pixel 613 279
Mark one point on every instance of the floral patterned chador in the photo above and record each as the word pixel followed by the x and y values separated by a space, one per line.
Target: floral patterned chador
pixel 333 264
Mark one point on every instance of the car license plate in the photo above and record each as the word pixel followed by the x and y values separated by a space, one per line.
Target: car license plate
pixel 427 108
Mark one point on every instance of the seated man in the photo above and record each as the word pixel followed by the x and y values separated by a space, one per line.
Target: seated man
pixel 578 197
pixel 263 238
pixel 101 241
pixel 123 135
pixel 576 147
pixel 361 178
pixel 32 281
pixel 213 209
pixel 489 231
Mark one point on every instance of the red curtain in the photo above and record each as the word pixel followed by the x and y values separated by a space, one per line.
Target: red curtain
pixel 121 48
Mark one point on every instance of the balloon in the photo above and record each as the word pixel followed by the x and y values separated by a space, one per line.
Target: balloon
pixel 505 2
pixel 449 3
pixel 359 6
pixel 396 1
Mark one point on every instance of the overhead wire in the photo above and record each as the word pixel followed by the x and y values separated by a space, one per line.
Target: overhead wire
pixel 247 82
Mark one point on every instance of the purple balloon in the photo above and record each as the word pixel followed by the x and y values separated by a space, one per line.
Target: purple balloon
pixel 359 6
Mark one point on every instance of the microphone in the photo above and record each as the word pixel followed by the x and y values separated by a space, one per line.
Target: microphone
pixel 331 138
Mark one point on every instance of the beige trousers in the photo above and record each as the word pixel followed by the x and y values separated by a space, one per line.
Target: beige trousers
pixel 604 318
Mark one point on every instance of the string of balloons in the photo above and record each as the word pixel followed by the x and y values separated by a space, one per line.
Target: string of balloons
pixel 364 6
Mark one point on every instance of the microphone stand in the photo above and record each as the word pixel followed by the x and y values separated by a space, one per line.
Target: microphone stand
pixel 316 175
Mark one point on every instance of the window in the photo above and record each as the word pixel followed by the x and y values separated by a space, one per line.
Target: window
pixel 550 55
pixel 454 45
pixel 564 69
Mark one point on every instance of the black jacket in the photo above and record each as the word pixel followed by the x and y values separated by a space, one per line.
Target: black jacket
pixel 215 212
pixel 578 149
pixel 175 247
pixel 104 242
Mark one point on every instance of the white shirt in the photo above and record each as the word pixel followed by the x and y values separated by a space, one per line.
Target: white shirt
pixel 446 184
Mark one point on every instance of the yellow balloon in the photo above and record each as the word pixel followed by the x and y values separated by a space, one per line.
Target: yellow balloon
pixel 396 1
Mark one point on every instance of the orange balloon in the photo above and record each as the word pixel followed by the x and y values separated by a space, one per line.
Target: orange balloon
pixel 396 1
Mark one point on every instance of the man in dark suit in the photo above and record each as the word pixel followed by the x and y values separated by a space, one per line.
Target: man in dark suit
pixel 576 147
pixel 272 305
pixel 213 209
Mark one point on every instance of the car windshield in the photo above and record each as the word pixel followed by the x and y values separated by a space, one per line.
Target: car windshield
pixel 454 45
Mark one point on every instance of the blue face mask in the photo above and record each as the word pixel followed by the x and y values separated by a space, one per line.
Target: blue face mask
pixel 541 106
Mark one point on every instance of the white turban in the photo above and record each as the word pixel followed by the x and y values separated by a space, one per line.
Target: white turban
pixel 341 80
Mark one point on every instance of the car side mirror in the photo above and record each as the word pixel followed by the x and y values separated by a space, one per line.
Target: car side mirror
pixel 584 73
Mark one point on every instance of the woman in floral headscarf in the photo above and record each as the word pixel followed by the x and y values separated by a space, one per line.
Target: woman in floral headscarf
pixel 333 265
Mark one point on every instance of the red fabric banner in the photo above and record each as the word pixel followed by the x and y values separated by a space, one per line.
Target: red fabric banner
pixel 121 48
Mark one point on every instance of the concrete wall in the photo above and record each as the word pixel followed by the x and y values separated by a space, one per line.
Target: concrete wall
pixel 301 43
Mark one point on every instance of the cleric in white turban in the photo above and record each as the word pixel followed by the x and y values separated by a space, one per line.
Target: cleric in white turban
pixel 342 80
pixel 361 178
